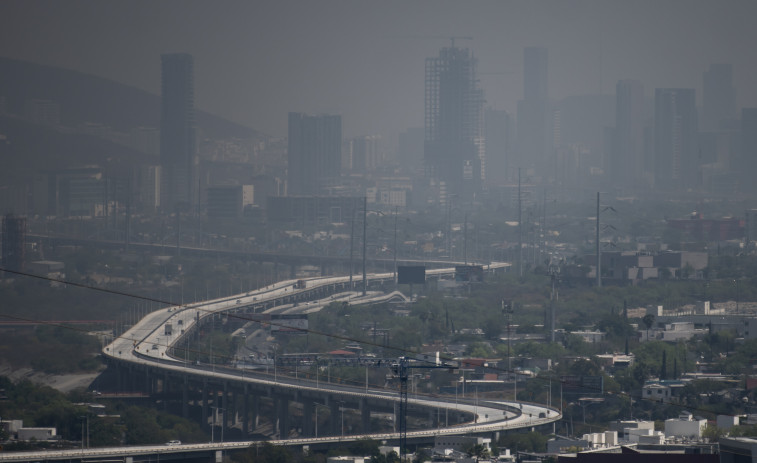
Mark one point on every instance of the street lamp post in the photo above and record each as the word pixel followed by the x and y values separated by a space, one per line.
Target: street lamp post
pixel 395 245
pixel 365 220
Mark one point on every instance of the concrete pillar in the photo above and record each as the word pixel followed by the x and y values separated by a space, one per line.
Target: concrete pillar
pixel 365 415
pixel 307 418
pixel 164 391
pixel 204 404
pixel 246 411
pixel 282 413
pixel 225 406
pixel 255 410
pixel 396 416
pixel 185 398
pixel 119 378
pixel 336 428
pixel 233 408
pixel 148 383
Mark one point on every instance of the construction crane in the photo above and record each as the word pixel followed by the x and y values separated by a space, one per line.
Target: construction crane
pixel 401 371
pixel 436 37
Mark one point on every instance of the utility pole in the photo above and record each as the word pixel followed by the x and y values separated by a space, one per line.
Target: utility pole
pixel 352 240
pixel 599 260
pixel 553 270
pixel 365 241
pixel 507 311
pixel 449 226
pixel 395 244
pixel 465 240
pixel 543 244
pixel 520 229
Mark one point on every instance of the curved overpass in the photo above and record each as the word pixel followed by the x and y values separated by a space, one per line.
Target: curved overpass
pixel 148 344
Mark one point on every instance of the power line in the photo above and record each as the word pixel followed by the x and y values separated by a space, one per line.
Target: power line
pixel 400 350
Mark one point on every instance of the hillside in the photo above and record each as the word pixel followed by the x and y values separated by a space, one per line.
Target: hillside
pixel 31 148
pixel 87 98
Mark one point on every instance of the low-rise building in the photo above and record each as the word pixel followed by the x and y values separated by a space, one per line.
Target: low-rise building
pixel 685 426
pixel 37 434
pixel 662 390
pixel 460 443
pixel 624 427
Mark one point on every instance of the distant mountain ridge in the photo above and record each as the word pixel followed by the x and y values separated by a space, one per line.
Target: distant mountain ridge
pixel 87 98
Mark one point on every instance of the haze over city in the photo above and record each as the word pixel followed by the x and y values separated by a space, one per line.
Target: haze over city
pixel 256 61
pixel 249 231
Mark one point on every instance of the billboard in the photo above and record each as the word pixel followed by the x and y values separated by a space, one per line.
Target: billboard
pixel 582 384
pixel 411 274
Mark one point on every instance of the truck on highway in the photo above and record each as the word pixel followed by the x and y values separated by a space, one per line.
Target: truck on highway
pixel 300 284
pixel 168 329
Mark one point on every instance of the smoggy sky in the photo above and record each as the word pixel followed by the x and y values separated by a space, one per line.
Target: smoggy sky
pixel 257 60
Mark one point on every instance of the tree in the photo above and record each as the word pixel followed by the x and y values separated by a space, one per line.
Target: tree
pixel 478 451
pixel 648 321
pixel 713 433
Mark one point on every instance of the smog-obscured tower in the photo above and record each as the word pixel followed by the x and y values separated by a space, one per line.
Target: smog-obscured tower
pixel 177 134
pixel 454 147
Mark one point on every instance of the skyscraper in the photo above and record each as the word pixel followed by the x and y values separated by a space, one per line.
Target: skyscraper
pixel 533 112
pixel 718 97
pixel 626 162
pixel 747 167
pixel 676 155
pixel 177 133
pixel 314 153
pixel 498 137
pixel 454 139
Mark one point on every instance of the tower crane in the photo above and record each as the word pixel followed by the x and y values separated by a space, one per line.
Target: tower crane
pixel 437 37
pixel 400 370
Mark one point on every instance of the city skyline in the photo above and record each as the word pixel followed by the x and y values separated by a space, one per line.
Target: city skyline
pixel 256 63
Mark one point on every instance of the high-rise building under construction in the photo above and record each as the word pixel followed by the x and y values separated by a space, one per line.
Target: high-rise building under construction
pixel 454 140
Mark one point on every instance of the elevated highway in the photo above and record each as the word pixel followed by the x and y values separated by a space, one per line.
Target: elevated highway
pixel 143 358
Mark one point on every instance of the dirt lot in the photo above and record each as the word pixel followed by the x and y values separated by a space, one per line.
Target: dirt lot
pixel 63 383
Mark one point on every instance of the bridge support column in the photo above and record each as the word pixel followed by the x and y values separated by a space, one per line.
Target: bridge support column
pixel 226 409
pixel 396 416
pixel 282 413
pixel 365 415
pixel 307 418
pixel 148 383
pixel 164 391
pixel 255 410
pixel 234 405
pixel 130 381
pixel 204 404
pixel 185 398
pixel 334 419
pixel 245 412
